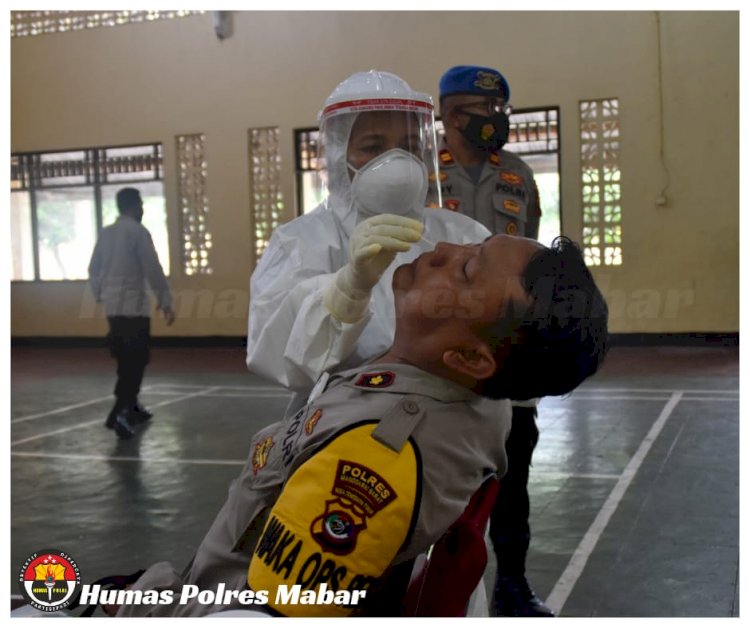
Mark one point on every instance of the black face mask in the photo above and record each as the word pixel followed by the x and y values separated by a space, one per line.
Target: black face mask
pixel 487 133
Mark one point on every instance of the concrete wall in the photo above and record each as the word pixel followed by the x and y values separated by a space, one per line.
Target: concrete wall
pixel 152 81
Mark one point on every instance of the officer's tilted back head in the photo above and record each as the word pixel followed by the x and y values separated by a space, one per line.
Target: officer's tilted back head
pixel 561 338
pixel 474 101
pixel 507 318
pixel 379 112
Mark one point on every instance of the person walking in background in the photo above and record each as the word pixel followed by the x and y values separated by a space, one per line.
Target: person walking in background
pixel 124 261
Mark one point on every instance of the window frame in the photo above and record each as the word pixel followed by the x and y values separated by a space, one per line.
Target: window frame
pixel 301 163
pixel 27 171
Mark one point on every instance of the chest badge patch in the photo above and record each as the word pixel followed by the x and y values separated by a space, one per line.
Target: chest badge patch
pixel 511 228
pixel 382 379
pixel 260 454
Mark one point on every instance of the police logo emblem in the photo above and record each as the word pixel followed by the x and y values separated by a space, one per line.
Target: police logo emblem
pixel 487 80
pixel 48 580
pixel 487 131
pixel 260 454
pixel 337 528
pixel 359 493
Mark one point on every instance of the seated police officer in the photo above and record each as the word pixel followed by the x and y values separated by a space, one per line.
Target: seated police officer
pixel 385 457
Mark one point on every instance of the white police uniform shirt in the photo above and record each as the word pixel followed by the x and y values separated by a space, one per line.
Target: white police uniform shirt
pixel 505 198
pixel 408 447
pixel 292 338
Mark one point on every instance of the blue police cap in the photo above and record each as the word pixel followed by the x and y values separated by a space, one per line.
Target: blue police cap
pixel 473 79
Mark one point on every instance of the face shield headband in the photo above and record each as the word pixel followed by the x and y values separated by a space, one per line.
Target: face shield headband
pixel 336 124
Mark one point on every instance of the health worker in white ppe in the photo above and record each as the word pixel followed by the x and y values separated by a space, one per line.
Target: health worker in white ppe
pixel 320 297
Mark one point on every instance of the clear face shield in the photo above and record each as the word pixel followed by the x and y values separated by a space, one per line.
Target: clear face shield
pixel 381 155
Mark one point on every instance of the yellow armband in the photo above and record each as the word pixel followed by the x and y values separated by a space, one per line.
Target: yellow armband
pixel 337 526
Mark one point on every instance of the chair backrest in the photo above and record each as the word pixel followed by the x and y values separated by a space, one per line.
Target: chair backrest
pixel 444 577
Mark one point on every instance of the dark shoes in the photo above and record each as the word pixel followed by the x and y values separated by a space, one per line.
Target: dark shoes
pixel 124 421
pixel 121 424
pixel 514 598
pixel 140 414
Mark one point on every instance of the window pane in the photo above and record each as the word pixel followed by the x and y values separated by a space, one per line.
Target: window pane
pixel 547 177
pixel 154 214
pixel 67 168
pixel 129 163
pixel 66 221
pixel 314 189
pixel 21 242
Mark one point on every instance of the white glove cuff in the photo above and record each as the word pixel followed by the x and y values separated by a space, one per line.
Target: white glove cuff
pixel 342 300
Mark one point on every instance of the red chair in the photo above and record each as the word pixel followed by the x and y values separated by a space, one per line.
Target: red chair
pixel 444 577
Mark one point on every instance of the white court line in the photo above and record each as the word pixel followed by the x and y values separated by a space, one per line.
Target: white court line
pixel 83 404
pixel 31 417
pixel 98 421
pixel 258 388
pixel 665 391
pixel 204 461
pixel 559 595
pixel 665 397
pixel 229 395
pixel 587 476
pixel 690 398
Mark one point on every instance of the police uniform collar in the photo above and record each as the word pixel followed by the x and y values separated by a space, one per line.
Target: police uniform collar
pixel 405 379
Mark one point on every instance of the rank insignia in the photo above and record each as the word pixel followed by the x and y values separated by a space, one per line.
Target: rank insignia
pixel 452 203
pixel 446 158
pixel 512 178
pixel 260 455
pixel 494 159
pixel 511 228
pixel 511 206
pixel 313 421
pixel 376 380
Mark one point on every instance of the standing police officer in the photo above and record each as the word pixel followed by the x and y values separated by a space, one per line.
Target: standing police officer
pixel 495 187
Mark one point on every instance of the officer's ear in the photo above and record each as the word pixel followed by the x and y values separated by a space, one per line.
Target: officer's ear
pixel 474 360
pixel 449 113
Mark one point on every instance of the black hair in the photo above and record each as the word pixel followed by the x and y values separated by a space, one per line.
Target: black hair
pixel 561 339
pixel 127 198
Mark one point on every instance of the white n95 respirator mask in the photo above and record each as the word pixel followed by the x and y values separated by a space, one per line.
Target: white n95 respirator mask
pixel 395 182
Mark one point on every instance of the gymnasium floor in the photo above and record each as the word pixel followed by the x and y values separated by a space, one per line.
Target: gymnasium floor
pixel 634 485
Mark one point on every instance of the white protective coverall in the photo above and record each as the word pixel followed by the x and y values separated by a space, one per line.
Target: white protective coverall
pixel 292 337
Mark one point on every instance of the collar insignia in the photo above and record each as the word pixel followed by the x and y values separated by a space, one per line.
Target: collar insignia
pixel 376 380
pixel 446 159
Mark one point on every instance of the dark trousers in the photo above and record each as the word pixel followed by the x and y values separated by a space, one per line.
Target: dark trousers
pixel 128 341
pixel 509 522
